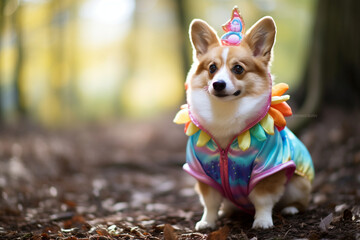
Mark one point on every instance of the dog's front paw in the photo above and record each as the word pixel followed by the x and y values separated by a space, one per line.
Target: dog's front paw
pixel 201 225
pixel 263 223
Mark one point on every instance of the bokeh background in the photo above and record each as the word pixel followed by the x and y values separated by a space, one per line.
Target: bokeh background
pixel 88 91
pixel 64 62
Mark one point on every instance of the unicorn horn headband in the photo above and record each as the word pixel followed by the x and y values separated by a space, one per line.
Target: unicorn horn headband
pixel 234 29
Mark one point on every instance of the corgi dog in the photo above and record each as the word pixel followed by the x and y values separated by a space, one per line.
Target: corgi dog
pixel 237 153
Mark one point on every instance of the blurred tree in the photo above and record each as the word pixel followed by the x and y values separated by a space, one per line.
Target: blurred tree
pixel 333 74
pixel 2 26
pixel 19 69
pixel 73 55
pixel 57 36
pixel 183 26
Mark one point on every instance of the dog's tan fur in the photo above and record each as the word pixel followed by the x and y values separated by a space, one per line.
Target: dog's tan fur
pixel 223 119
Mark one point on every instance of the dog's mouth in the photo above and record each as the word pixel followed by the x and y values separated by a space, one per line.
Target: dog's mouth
pixel 222 95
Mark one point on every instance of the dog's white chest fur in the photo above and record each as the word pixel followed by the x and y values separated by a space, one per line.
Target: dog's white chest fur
pixel 224 119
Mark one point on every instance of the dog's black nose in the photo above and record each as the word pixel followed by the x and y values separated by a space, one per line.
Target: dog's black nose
pixel 219 85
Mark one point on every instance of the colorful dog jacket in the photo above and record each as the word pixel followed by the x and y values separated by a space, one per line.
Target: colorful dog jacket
pixel 234 172
pixel 262 149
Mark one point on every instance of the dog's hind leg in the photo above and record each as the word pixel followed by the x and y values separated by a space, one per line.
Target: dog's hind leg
pixel 264 196
pixel 227 208
pixel 211 200
pixel 296 196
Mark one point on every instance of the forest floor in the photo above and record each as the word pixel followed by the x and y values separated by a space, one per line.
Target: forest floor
pixel 125 181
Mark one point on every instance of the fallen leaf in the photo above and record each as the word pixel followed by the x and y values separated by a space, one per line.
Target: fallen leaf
pixel 69 230
pixel 70 204
pixel 159 227
pixel 169 233
pixel 71 238
pixel 347 215
pixel 36 237
pixel 136 230
pixel 102 232
pixel 220 234
pixel 341 207
pixel 325 223
pixel 45 236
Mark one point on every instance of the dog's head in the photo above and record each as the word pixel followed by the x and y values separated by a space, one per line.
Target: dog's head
pixel 230 85
pixel 231 72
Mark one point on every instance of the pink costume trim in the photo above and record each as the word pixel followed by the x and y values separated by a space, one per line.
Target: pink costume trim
pixel 200 175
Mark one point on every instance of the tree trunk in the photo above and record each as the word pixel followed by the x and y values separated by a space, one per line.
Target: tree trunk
pixel 2 20
pixel 18 71
pixel 182 23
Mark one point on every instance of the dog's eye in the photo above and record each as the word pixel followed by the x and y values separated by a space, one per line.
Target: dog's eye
pixel 237 69
pixel 212 68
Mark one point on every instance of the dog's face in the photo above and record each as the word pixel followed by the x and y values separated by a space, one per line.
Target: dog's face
pixel 228 73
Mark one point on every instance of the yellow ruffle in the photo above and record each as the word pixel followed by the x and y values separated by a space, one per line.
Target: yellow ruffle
pixel 182 117
pixel 267 123
pixel 244 140
pixel 192 129
pixel 204 138
pixel 279 99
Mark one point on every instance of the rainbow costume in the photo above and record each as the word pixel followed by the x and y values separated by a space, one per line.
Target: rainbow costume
pixel 265 147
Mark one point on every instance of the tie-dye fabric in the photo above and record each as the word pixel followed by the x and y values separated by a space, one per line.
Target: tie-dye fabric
pixel 234 172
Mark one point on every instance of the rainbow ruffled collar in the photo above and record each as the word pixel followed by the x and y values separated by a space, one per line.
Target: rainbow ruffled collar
pixel 275 116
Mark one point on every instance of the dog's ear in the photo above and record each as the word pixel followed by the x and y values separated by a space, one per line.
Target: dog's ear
pixel 261 38
pixel 203 37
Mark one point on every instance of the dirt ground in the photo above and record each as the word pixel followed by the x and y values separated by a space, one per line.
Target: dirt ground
pixel 124 181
